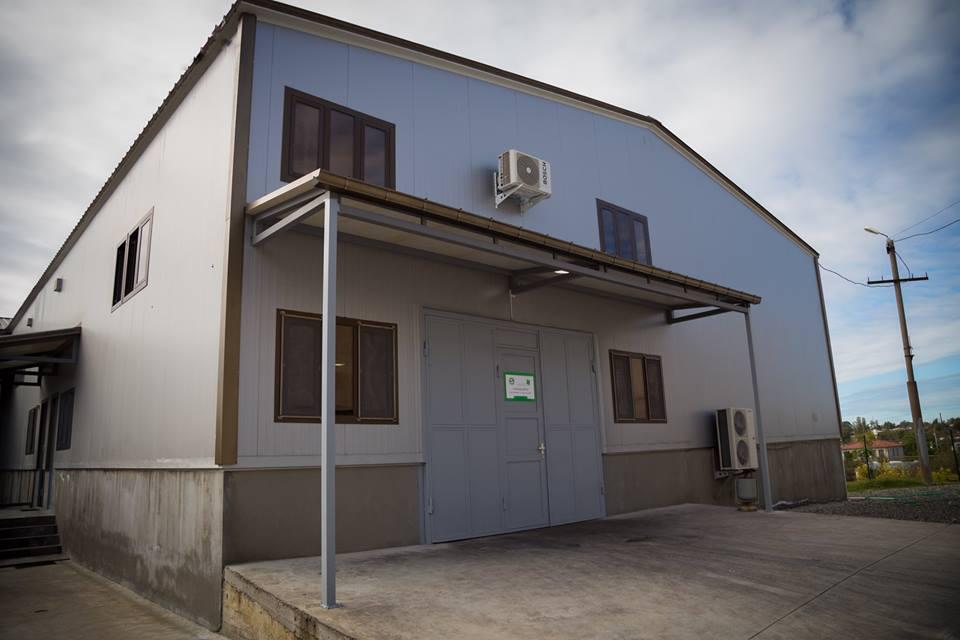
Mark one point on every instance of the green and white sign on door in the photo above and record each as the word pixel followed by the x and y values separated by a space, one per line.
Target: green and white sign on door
pixel 519 387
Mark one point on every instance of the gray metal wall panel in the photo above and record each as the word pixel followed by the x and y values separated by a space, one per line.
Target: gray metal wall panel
pixel 450 129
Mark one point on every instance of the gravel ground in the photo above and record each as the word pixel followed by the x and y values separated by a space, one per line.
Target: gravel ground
pixel 932 504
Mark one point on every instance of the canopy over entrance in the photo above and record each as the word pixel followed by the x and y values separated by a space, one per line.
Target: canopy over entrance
pixel 28 357
pixel 529 258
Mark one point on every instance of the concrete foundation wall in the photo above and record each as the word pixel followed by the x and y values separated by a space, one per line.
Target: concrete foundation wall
pixel 158 532
pixel 16 486
pixel 635 481
pixel 270 514
pixel 811 470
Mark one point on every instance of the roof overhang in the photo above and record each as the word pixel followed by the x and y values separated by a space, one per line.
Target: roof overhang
pixel 37 354
pixel 404 222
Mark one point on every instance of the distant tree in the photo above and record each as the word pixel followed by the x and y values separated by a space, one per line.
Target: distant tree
pixel 846 430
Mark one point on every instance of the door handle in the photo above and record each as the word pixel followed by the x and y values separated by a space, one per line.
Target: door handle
pixel 542 449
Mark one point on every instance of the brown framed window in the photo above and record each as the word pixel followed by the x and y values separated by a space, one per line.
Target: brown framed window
pixel 366 369
pixel 637 387
pixel 321 134
pixel 623 233
pixel 132 261
pixel 31 431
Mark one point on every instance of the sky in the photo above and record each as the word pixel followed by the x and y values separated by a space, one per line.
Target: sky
pixel 834 115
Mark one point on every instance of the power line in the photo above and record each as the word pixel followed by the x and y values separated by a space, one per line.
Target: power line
pixel 910 271
pixel 926 233
pixel 949 206
pixel 862 284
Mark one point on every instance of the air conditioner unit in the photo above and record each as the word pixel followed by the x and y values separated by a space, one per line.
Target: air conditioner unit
pixel 736 439
pixel 522 176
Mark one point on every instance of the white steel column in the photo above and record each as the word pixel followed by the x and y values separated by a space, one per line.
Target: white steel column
pixel 766 492
pixel 328 427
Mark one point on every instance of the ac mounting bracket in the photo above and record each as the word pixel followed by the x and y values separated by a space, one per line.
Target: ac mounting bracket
pixel 500 196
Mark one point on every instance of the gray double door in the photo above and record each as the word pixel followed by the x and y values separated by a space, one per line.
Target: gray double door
pixel 496 464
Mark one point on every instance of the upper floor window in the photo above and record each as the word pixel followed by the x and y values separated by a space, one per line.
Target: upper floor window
pixel 366 369
pixel 623 233
pixel 132 261
pixel 324 135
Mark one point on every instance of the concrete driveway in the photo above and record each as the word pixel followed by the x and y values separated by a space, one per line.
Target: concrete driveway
pixel 690 571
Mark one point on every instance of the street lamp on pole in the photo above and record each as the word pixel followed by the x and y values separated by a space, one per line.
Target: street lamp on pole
pixel 912 393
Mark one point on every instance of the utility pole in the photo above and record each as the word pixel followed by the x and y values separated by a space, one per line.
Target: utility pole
pixel 907 357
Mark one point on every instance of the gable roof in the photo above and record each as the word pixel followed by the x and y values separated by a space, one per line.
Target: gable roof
pixel 224 31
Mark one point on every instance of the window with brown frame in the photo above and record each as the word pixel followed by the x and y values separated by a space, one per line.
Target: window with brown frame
pixel 637 387
pixel 366 369
pixel 623 233
pixel 132 261
pixel 321 134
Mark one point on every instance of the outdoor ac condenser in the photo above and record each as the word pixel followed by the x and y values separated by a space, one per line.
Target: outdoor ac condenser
pixel 522 176
pixel 736 439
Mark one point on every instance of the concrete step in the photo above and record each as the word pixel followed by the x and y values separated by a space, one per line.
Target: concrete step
pixel 29 531
pixel 26 552
pixel 31 541
pixel 28 521
pixel 32 561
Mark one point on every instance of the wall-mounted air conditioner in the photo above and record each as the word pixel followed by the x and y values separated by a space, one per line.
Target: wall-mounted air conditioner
pixel 522 176
pixel 736 439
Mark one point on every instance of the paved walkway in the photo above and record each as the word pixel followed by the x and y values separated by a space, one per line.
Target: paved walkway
pixel 690 571
pixel 65 601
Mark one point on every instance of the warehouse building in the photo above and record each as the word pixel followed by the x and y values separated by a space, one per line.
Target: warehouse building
pixel 541 303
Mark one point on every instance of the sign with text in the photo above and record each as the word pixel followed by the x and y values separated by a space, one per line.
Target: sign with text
pixel 519 387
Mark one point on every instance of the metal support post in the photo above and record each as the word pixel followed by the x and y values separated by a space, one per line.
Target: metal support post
pixel 766 491
pixel 328 428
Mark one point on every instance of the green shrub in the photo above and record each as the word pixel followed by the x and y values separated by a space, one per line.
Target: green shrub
pixel 861 472
pixel 943 475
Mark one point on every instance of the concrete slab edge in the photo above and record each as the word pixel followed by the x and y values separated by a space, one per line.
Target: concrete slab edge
pixel 252 613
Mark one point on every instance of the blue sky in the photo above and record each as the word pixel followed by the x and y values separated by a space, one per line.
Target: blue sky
pixel 834 115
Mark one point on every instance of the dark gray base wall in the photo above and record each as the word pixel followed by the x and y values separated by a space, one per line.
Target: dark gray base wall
pixel 809 469
pixel 156 531
pixel 16 486
pixel 649 479
pixel 270 514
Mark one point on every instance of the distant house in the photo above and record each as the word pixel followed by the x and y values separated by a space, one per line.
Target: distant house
pixel 883 449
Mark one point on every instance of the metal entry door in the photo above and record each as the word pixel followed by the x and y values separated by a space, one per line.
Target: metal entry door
pixel 572 425
pixel 524 450
pixel 495 465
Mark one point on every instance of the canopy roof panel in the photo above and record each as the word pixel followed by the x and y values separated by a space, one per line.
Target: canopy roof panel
pixel 22 351
pixel 401 220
